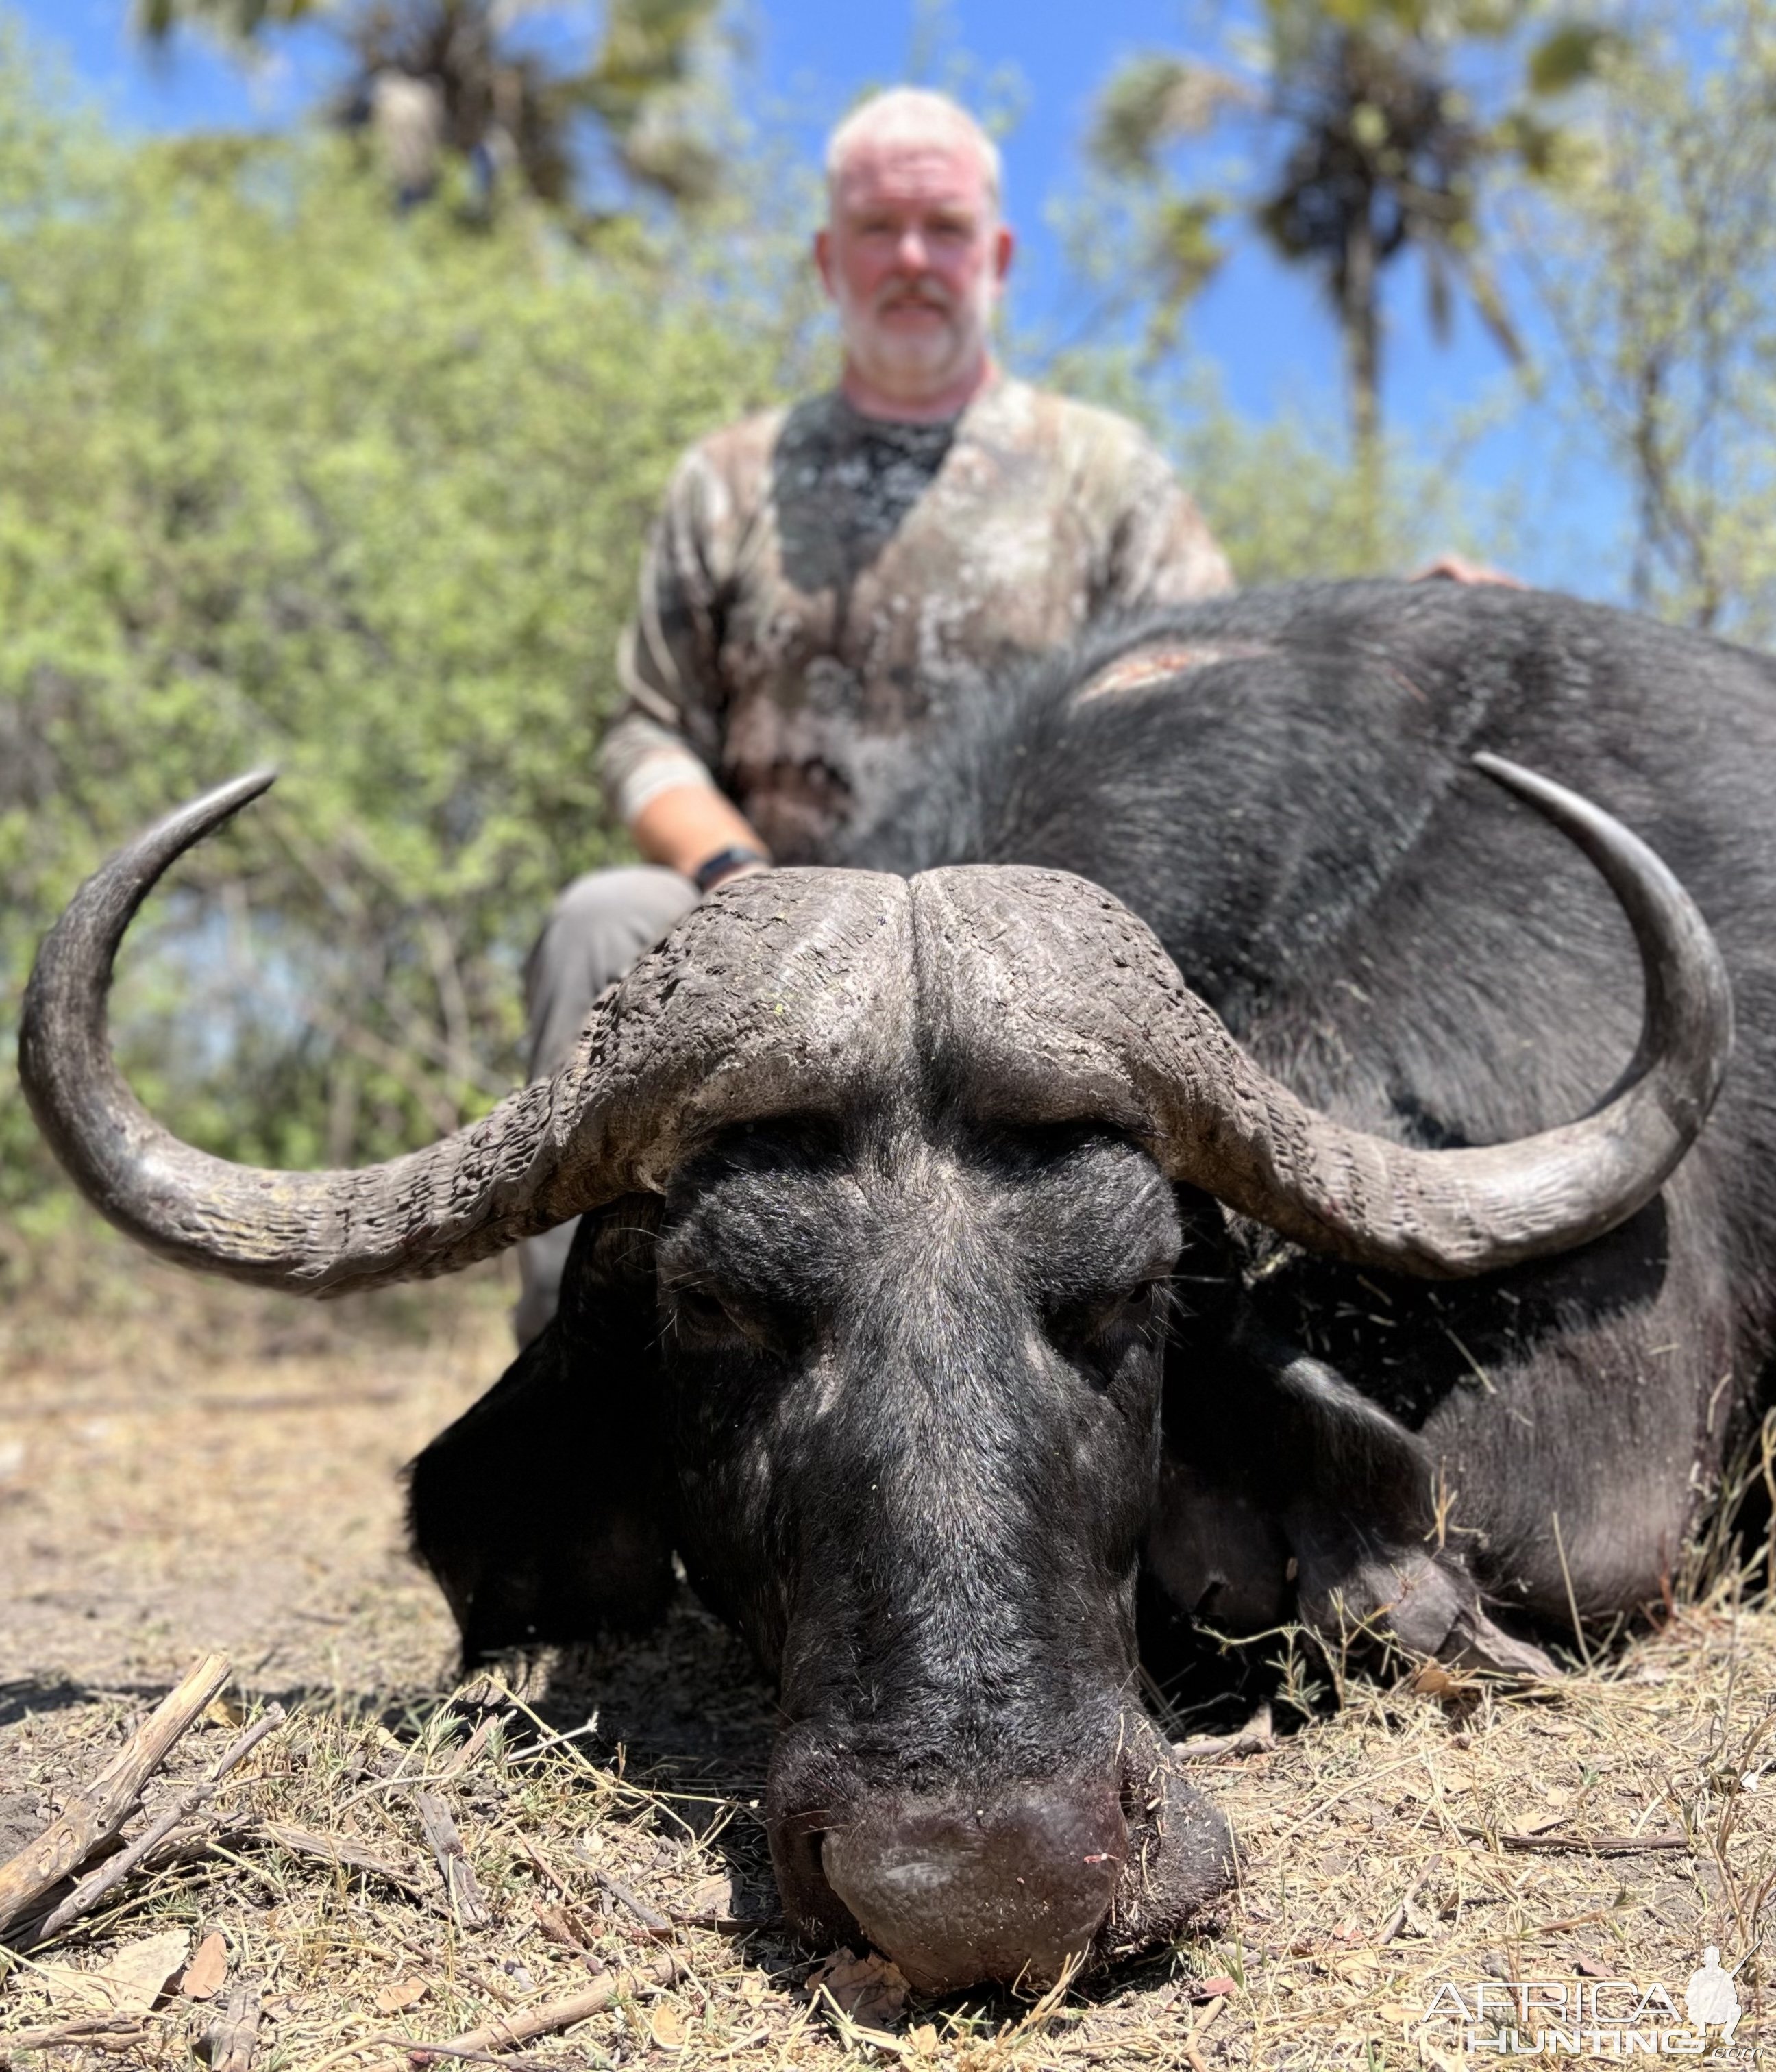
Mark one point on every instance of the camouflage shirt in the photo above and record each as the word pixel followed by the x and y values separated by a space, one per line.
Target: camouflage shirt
pixel 819 582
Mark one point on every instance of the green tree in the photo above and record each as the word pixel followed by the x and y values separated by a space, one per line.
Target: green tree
pixel 1365 149
pixel 290 479
pixel 1651 244
pixel 1285 501
pixel 438 75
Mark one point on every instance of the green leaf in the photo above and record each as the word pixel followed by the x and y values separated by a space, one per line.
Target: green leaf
pixel 1569 56
pixel 1154 102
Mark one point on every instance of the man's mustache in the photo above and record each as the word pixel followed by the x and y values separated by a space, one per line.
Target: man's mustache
pixel 920 294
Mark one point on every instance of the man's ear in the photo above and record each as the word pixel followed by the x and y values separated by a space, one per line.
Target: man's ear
pixel 543 1511
pixel 1004 248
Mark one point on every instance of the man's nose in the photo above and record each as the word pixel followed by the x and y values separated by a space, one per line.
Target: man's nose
pixel 911 254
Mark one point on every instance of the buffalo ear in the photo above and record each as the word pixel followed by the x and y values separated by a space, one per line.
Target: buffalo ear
pixel 544 1512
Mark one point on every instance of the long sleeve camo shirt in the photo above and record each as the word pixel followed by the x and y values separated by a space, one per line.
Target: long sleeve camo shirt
pixel 820 582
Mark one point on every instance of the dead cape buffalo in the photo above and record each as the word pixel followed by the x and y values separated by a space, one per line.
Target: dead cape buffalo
pixel 944 1257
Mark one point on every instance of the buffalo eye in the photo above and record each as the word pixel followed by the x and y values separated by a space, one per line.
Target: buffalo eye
pixel 710 1312
pixel 1101 1330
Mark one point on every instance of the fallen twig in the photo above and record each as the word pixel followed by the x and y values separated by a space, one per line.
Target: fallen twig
pixel 1407 1907
pixel 104 2031
pixel 231 2038
pixel 97 1884
pixel 1198 2029
pixel 99 1811
pixel 526 2023
pixel 423 2053
pixel 1596 1845
pixel 453 1866
pixel 351 1855
pixel 1257 1736
pixel 656 1923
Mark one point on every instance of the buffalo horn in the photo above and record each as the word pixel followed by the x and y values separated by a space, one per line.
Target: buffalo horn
pixel 1069 1005
pixel 761 999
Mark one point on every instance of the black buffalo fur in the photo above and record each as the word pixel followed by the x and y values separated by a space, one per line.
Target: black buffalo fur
pixel 1409 948
pixel 914 1402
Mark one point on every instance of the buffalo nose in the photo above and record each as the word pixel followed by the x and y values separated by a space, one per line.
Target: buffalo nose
pixel 958 1892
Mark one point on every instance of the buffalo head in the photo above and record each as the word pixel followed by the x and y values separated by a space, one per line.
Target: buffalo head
pixel 884 1184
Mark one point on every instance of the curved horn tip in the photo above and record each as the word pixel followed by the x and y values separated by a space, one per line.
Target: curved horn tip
pixel 223 802
pixel 1527 784
pixel 1610 844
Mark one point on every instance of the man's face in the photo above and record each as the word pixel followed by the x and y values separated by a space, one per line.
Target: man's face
pixel 913 254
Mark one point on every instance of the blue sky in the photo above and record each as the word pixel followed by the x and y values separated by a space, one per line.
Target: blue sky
pixel 1264 329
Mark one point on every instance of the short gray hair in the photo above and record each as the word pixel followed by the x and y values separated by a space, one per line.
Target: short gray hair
pixel 911 115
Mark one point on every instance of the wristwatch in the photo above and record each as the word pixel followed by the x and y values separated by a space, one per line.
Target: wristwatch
pixel 711 871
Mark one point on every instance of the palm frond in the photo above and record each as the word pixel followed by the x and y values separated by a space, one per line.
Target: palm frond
pixel 1154 102
pixel 239 20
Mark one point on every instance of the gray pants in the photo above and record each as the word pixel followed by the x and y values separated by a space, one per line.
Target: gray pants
pixel 594 932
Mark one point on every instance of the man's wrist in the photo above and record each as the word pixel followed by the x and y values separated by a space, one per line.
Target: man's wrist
pixel 726 863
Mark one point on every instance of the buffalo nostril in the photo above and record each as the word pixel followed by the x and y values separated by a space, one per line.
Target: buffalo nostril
pixel 957 1892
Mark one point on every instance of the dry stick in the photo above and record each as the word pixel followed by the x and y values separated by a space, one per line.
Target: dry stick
pixel 528 2023
pixel 1573 1920
pixel 230 2040
pixel 656 1924
pixel 548 1869
pixel 420 2052
pixel 350 1855
pixel 1199 2030
pixel 1402 1913
pixel 96 1814
pixel 90 1890
pixel 453 1866
pixel 1257 1736
pixel 102 2029
pixel 1595 1845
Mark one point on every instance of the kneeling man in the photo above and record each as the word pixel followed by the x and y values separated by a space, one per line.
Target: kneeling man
pixel 822 577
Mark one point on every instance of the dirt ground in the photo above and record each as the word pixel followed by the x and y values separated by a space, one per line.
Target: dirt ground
pixel 185 1467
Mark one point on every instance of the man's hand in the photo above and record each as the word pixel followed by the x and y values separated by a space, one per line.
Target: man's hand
pixel 1454 568
pixel 691 824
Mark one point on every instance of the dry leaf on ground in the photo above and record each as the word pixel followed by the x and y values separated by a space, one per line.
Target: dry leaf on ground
pixel 870 1989
pixel 709 1899
pixel 666 2025
pixel 402 1994
pixel 208 1969
pixel 131 1983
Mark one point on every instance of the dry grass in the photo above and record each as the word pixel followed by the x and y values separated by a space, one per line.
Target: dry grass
pixel 182 1467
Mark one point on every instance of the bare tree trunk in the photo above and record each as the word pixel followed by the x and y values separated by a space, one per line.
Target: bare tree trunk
pixel 1359 316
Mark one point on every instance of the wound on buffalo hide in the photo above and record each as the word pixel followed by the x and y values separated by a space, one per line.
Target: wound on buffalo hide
pixel 1144 666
